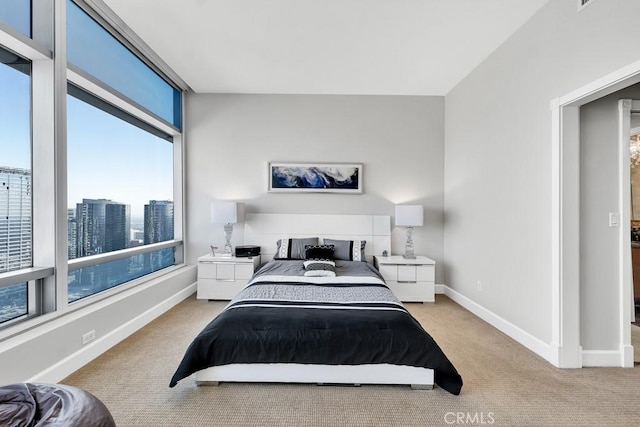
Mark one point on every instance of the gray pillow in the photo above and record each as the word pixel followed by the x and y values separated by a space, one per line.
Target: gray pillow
pixel 293 248
pixel 347 250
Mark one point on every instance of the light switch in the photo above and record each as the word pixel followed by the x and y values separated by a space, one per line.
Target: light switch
pixel 614 219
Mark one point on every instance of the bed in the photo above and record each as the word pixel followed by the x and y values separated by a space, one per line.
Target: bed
pixel 288 327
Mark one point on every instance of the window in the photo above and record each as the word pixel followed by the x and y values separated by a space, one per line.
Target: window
pixel 87 281
pixel 17 13
pixel 120 192
pixel 120 173
pixel 13 302
pixel 100 54
pixel 121 143
pixel 15 181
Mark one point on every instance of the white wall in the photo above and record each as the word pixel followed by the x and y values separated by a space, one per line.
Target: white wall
pixel 231 138
pixel 498 155
pixel 53 350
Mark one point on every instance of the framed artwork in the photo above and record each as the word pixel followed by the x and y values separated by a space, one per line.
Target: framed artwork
pixel 315 177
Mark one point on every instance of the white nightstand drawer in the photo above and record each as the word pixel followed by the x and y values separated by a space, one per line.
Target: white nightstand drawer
pixel 389 272
pixel 411 280
pixel 413 292
pixel 206 270
pixel 244 271
pixel 407 273
pixel 222 278
pixel 215 289
pixel 225 271
pixel 426 273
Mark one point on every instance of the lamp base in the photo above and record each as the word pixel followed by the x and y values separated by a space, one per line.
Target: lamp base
pixel 228 250
pixel 408 246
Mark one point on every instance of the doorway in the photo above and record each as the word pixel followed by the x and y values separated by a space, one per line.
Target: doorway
pixel 566 263
pixel 635 233
pixel 634 153
pixel 629 119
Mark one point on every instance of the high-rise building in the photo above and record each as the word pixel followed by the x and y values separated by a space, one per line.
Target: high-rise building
pixel 15 219
pixel 158 221
pixel 158 227
pixel 103 226
pixel 72 234
pixel 117 225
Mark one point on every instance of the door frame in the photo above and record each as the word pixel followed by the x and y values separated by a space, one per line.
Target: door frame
pixel 625 108
pixel 566 350
pixel 635 108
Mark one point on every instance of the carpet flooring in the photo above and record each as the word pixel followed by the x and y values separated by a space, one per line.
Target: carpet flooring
pixel 504 383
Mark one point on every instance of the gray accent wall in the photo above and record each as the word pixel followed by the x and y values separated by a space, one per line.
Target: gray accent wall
pixel 498 161
pixel 398 139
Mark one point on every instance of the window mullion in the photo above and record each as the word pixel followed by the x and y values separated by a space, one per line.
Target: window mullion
pixel 60 158
pixel 91 85
pixel 21 44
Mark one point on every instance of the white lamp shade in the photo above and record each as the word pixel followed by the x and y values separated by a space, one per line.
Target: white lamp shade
pixel 409 215
pixel 224 212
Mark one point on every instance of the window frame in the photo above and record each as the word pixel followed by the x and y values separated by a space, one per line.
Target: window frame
pixel 103 92
pixel 48 278
pixel 114 25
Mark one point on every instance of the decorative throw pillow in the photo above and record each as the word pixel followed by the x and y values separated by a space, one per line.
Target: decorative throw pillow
pixel 347 250
pixel 319 252
pixel 293 248
pixel 314 268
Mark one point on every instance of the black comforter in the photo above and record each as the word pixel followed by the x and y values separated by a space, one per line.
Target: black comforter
pixel 347 320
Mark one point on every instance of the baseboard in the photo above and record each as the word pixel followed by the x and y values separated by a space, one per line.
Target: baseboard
pixel 628 356
pixel 75 361
pixel 526 339
pixel 608 358
pixel 566 357
pixel 601 358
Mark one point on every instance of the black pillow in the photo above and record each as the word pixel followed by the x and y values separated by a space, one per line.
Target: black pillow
pixel 319 252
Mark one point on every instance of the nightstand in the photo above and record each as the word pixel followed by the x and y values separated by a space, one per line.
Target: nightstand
pixel 411 280
pixel 223 277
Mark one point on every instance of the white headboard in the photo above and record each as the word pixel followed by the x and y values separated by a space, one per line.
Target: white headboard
pixel 266 229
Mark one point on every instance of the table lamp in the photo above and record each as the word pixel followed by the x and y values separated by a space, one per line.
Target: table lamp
pixel 409 216
pixel 227 214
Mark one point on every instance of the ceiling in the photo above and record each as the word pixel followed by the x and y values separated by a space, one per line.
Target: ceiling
pixel 362 47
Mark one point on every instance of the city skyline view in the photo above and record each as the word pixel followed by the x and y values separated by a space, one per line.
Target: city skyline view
pixel 93 227
pixel 135 166
pixel 107 157
pixel 100 226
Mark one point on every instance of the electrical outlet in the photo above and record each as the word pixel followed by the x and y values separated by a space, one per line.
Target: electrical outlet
pixel 479 285
pixel 88 337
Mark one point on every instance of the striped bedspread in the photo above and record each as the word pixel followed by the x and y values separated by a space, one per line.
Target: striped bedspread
pixel 342 320
pixel 317 292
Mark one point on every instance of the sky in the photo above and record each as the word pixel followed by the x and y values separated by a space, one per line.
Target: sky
pixel 107 157
pixel 15 137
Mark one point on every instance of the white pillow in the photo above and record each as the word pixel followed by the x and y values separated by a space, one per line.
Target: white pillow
pixel 319 268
